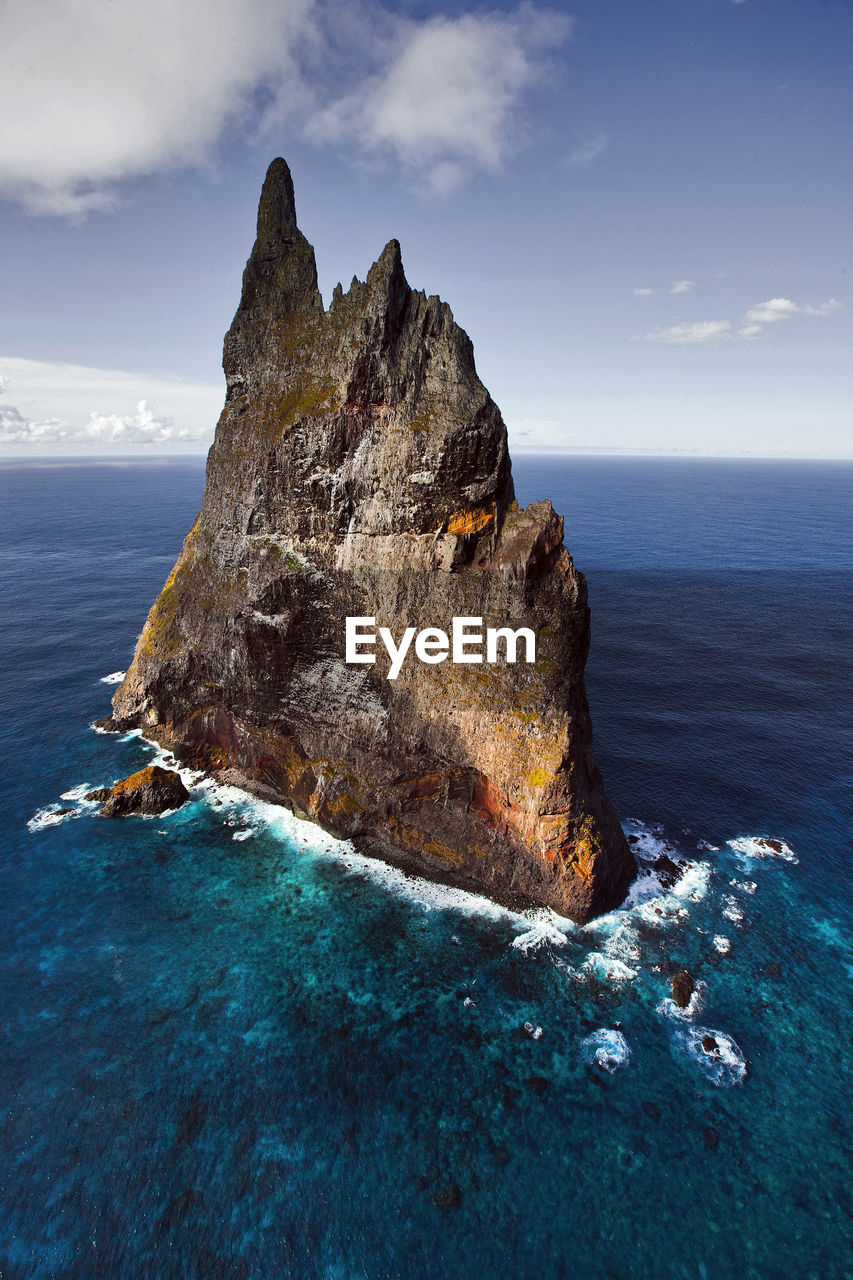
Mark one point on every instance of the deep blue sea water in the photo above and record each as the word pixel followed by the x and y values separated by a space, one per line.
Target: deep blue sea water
pixel 233 1049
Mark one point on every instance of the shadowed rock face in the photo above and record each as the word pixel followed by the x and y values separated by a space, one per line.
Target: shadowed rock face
pixel 360 468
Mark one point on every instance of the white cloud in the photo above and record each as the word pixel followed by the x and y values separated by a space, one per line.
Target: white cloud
pixel 586 153
pixel 449 95
pixel 681 334
pixel 823 308
pixel 643 293
pixel 94 92
pixel 682 286
pixel 752 329
pixel 53 406
pixel 776 309
pixel 15 429
pixel 773 310
pixel 145 426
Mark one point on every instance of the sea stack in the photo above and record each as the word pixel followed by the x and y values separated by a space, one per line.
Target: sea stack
pixel 360 470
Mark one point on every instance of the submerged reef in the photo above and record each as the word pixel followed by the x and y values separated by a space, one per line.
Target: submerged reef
pixel 360 470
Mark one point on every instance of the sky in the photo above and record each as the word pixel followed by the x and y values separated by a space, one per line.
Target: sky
pixel 640 210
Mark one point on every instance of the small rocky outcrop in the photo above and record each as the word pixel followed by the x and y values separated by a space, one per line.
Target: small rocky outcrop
pixel 151 790
pixel 99 795
pixel 682 988
pixel 360 469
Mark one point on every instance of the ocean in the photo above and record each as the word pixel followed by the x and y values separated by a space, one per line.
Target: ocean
pixel 234 1049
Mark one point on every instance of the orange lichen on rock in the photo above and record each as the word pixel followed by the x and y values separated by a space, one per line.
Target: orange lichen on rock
pixel 470 520
pixel 149 790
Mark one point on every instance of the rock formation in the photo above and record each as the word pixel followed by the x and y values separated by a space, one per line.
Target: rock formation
pixel 682 988
pixel 150 790
pixel 360 468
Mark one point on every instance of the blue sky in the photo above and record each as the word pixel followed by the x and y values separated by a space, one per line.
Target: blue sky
pixel 640 211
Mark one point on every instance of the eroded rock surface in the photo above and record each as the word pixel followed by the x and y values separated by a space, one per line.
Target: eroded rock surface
pixel 360 468
pixel 151 790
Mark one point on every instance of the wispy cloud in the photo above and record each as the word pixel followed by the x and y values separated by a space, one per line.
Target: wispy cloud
pixel 586 153
pixel 643 293
pixel 681 286
pixel 823 308
pixel 449 95
pixel 751 330
pixel 777 309
pixel 700 331
pixel 53 406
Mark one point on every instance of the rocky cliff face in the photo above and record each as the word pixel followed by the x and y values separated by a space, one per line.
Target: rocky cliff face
pixel 360 468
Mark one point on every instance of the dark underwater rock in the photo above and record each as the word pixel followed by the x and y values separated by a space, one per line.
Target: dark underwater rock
pixel 447 1197
pixel 151 790
pixel 176 1210
pixel 360 469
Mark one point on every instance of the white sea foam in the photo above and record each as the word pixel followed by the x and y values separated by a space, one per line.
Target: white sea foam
pixel 723 1062
pixel 759 849
pixel 722 944
pixel 651 884
pixel 543 930
pixel 693 883
pixel 615 953
pixel 606 1049
pixel 646 888
pixel 732 909
pixel 235 804
pixel 115 677
pixel 669 1009
pixel 608 968
pixel 49 817
pixel 78 794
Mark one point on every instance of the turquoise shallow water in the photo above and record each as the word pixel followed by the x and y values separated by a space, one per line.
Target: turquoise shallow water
pixel 234 1048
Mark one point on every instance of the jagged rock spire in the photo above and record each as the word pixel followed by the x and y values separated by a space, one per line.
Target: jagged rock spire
pixel 280 279
pixel 277 207
pixel 360 469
